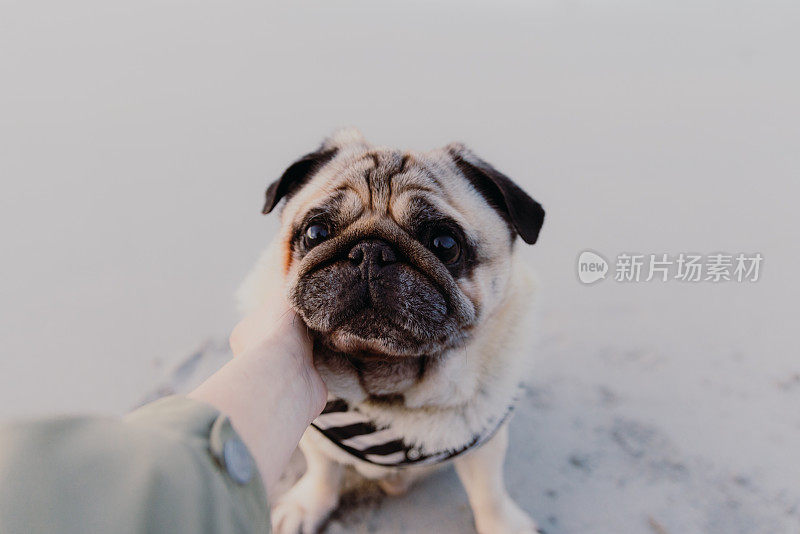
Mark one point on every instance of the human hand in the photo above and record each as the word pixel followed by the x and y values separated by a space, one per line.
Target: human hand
pixel 270 390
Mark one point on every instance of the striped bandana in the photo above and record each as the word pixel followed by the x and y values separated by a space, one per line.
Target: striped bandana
pixel 356 434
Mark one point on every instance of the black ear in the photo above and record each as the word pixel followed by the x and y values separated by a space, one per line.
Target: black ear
pixel 524 215
pixel 296 175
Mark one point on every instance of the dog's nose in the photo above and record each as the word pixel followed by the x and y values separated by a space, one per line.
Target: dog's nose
pixel 372 254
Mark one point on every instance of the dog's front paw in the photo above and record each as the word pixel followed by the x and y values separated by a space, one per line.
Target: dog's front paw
pixel 304 509
pixel 505 519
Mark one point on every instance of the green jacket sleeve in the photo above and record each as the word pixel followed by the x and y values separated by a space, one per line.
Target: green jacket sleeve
pixel 174 466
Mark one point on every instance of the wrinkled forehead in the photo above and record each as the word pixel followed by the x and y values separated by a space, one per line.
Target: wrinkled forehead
pixel 408 187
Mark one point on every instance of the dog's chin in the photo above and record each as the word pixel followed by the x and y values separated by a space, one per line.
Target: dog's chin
pixel 370 337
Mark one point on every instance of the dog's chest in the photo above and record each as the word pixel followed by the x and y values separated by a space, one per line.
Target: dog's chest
pixel 358 435
pixel 433 405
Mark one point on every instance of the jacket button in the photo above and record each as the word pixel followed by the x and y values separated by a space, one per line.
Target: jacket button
pixel 237 461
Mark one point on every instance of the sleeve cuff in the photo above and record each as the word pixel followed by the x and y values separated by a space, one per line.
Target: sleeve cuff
pixel 205 428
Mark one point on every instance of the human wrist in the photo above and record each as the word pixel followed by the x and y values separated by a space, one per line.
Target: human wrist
pixel 271 393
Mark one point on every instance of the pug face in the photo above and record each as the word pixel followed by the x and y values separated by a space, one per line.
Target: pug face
pixel 393 255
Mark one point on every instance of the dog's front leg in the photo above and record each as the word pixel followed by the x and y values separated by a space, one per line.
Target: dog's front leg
pixel 481 473
pixel 306 506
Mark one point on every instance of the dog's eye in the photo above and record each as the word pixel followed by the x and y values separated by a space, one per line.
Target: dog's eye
pixel 315 234
pixel 446 247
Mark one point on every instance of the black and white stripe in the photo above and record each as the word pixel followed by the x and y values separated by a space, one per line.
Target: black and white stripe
pixel 356 434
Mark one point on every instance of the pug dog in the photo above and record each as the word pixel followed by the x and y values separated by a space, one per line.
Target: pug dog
pixel 405 268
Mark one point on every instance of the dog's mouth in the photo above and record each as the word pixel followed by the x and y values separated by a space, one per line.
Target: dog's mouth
pixel 370 334
pixel 324 349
